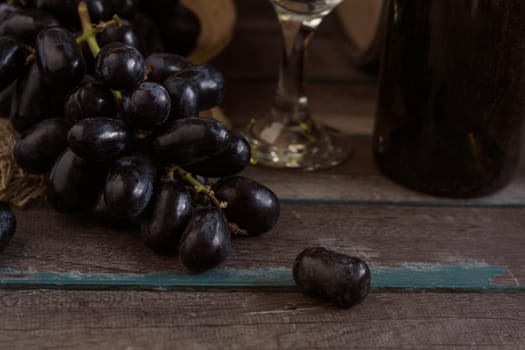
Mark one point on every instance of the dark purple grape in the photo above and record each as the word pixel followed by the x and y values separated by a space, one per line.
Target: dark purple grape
pixel 59 58
pixel 38 148
pixel 162 65
pixel 180 28
pixel 101 212
pixel 129 186
pixel 230 162
pixel 190 140
pixel 171 209
pixel 147 106
pixel 34 100
pixel 100 10
pixel 252 206
pixel 25 24
pixel 92 99
pixel 72 184
pixel 120 67
pixel 12 61
pixel 7 225
pixel 7 11
pixel 210 83
pixel 65 11
pixel 123 34
pixel 325 274
pixel 125 8
pixel 184 97
pixel 5 100
pixel 99 139
pixel 206 241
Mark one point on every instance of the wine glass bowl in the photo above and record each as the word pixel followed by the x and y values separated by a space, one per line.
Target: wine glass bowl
pixel 287 136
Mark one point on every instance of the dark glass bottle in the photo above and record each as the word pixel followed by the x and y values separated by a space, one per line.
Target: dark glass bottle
pixel 451 104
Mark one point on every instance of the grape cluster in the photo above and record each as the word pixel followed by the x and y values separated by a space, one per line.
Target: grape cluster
pixel 119 136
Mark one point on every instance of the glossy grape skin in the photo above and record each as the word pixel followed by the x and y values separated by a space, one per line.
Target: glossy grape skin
pixel 72 184
pixel 5 100
pixel 12 61
pixel 25 24
pixel 147 106
pixel 329 275
pixel 162 65
pixel 59 58
pixel 92 99
pixel 184 97
pixel 171 209
pixel 99 139
pixel 180 28
pixel 129 186
pixel 206 241
pixel 119 66
pixel 34 100
pixel 252 206
pixel 190 140
pixel 124 34
pixel 99 10
pixel 210 83
pixel 230 162
pixel 7 225
pixel 38 148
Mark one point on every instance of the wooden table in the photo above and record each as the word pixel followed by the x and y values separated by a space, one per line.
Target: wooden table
pixel 446 274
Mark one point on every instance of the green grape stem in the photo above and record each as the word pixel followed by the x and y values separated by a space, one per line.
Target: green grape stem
pixel 99 28
pixel 197 186
pixel 89 35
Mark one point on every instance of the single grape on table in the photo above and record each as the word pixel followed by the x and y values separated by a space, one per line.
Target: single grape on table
pixel 326 274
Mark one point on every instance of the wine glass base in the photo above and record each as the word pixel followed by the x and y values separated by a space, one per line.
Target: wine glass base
pixel 306 147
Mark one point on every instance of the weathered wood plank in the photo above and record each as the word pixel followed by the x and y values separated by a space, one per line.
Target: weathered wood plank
pixel 386 236
pixel 420 277
pixel 258 320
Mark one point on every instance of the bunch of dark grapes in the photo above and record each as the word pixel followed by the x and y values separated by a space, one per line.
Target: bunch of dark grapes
pixel 120 136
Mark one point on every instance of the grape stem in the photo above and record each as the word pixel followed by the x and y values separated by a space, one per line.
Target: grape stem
pixel 237 231
pixel 99 28
pixel 89 35
pixel 197 186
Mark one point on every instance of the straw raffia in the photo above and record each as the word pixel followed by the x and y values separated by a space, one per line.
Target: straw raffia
pixel 17 187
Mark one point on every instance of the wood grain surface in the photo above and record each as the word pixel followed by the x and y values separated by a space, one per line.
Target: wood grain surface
pixel 351 208
pixel 258 320
pixel 382 235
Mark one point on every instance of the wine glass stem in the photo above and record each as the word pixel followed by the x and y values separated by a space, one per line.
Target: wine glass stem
pixel 290 99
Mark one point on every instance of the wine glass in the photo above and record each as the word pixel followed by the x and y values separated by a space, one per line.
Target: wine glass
pixel 287 137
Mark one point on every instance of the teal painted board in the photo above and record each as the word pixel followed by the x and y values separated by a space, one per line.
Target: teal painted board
pixel 410 276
